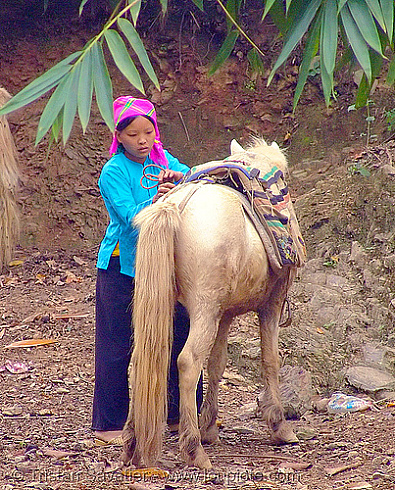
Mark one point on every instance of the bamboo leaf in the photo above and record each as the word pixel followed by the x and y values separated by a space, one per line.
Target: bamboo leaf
pixel 327 84
pixel 70 106
pixel 82 5
pixel 341 4
pixel 329 31
pixel 310 50
pixel 56 125
pixel 278 17
pixel 233 8
pixel 391 72
pixel 102 84
pixel 199 4
pixel 40 85
pixel 138 47
pixel 375 8
pixel 224 52
pixel 357 41
pixel 85 90
pixel 135 9
pixel 163 4
pixel 255 61
pixel 299 27
pixel 54 106
pixel 387 7
pixel 363 92
pixel 268 6
pixel 366 25
pixel 122 58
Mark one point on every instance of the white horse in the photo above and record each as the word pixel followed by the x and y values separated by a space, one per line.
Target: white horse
pixel 9 175
pixel 209 256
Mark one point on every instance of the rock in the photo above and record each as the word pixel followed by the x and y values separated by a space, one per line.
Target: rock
pixel 386 395
pixel 296 391
pixel 374 355
pixel 369 379
pixel 358 256
pixel 247 411
pixel 388 169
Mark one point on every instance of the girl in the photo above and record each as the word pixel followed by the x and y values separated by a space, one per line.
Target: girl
pixel 136 144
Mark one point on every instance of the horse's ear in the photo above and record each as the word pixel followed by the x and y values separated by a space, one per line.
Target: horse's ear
pixel 235 147
pixel 275 145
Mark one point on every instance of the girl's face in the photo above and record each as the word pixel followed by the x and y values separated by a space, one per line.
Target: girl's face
pixel 137 139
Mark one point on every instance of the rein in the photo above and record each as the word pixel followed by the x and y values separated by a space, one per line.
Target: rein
pixel 149 176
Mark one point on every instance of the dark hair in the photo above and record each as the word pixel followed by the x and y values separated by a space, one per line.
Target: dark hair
pixel 124 123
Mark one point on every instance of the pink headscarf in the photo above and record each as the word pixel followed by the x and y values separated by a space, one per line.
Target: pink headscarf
pixel 131 107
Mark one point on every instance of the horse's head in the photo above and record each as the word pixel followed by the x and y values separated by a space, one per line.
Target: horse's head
pixel 260 155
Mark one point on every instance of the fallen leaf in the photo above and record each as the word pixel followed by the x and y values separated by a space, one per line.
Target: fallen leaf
pixel 71 277
pixel 145 473
pixel 319 330
pixel 78 260
pixel 30 343
pixel 15 263
pixel 40 278
pixel 12 411
pixel 339 469
pixel 361 485
pixel 45 411
pixel 297 466
pixel 53 453
pixel 66 316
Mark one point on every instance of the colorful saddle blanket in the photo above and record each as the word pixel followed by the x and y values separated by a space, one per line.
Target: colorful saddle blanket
pixel 267 202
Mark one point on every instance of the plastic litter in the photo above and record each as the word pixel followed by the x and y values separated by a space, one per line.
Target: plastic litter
pixel 339 403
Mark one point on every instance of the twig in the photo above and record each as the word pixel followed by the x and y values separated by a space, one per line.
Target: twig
pixel 254 456
pixel 183 125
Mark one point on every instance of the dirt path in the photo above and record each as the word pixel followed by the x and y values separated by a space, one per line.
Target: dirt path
pixel 45 417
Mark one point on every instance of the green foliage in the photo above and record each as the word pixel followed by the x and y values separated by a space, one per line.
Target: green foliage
pixel 84 73
pixel 364 29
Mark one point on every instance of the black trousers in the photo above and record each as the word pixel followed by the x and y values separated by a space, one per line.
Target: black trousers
pixel 113 345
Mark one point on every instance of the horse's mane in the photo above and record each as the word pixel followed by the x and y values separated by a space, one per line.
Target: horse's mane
pixel 272 152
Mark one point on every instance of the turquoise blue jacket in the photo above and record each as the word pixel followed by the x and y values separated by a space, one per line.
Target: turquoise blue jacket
pixel 124 197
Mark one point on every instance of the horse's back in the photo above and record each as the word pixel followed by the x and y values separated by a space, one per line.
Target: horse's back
pixel 218 251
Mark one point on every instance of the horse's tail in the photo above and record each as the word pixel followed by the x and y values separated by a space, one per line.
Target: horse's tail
pixel 154 300
pixel 9 175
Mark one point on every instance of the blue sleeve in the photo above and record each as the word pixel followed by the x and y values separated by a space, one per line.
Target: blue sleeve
pixel 175 164
pixel 117 193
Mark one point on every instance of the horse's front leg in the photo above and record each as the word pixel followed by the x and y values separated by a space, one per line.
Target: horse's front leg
pixel 215 368
pixel 270 405
pixel 190 363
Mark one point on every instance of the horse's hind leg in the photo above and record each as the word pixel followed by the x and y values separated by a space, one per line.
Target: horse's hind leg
pixel 130 453
pixel 216 367
pixel 202 334
pixel 271 406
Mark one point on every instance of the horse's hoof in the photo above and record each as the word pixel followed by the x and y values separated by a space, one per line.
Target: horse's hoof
pixel 284 435
pixel 202 461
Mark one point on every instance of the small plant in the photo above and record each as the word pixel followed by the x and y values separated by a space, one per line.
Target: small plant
pixel 358 169
pixel 332 261
pixel 390 119
pixel 250 85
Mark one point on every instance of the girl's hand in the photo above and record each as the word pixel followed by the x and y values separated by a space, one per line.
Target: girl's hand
pixel 168 175
pixel 163 189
